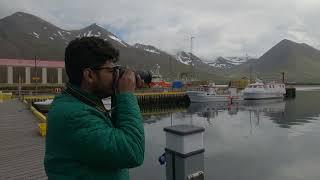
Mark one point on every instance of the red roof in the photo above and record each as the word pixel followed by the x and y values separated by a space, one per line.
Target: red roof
pixel 31 63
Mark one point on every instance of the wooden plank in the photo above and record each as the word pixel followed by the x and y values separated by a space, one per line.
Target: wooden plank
pixel 22 149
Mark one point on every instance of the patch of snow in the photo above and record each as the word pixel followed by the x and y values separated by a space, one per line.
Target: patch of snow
pixel 89 34
pixel 36 35
pixel 60 33
pixel 78 36
pixel 227 62
pixel 98 35
pixel 118 40
pixel 68 32
pixel 152 51
pixel 236 60
pixel 219 65
pixel 45 27
pixel 55 34
pixel 62 37
pixel 51 38
pixel 184 62
pixel 100 26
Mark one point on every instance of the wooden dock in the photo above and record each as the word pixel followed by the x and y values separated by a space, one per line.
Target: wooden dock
pixel 21 147
pixel 145 99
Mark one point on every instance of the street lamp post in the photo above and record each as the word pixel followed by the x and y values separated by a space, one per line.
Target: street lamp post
pixel 191 48
pixel 36 73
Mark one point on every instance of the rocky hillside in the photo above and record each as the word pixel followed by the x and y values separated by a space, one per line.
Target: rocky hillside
pixel 26 36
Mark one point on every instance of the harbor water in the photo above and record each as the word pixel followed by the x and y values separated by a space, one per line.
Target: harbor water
pixel 265 140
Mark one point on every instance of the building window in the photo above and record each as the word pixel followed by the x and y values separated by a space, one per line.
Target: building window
pixel 3 74
pixel 19 74
pixel 36 77
pixel 52 75
pixel 64 76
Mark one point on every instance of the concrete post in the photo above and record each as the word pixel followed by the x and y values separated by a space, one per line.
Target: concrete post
pixel 184 152
pixel 10 75
pixel 28 75
pixel 44 75
pixel 59 75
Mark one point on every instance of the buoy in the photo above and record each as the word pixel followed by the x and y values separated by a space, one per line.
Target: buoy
pixel 57 90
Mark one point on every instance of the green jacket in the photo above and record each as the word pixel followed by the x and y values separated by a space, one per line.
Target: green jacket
pixel 85 143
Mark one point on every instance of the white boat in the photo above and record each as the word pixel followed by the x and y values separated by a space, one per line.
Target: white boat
pixel 107 103
pixel 43 106
pixel 260 90
pixel 209 94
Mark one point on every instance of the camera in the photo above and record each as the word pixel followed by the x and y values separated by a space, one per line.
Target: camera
pixel 146 76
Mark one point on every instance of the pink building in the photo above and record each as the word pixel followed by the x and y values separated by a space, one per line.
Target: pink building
pixel 14 71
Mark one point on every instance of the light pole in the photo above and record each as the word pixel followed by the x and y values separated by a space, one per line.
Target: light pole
pixel 191 47
pixel 36 74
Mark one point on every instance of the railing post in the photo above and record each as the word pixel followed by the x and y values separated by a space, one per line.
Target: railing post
pixel 184 152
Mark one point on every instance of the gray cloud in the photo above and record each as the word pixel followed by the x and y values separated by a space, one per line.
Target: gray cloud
pixel 227 28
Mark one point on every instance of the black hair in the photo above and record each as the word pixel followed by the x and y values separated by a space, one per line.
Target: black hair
pixel 87 52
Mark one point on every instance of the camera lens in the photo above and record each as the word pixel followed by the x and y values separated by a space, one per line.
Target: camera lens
pixel 146 76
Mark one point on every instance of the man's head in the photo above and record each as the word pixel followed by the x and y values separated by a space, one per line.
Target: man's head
pixel 89 62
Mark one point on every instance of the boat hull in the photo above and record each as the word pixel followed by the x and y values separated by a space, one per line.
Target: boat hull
pixel 257 96
pixel 43 106
pixel 195 96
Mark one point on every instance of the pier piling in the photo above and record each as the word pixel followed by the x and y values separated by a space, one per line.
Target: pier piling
pixel 184 152
pixel 290 92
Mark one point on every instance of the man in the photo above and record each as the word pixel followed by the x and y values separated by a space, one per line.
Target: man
pixel 83 141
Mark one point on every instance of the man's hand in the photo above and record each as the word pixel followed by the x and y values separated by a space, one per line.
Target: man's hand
pixel 127 82
pixel 140 82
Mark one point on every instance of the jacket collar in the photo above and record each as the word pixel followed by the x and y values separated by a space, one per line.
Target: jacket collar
pixel 85 96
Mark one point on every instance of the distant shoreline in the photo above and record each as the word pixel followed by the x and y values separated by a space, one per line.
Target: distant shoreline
pixel 304 84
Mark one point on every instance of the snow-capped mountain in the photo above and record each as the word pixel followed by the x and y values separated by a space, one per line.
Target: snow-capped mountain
pixel 188 58
pixel 25 36
pixel 227 62
pixel 98 31
pixel 219 62
pixel 148 48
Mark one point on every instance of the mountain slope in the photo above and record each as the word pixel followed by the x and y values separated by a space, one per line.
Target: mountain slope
pixel 299 61
pixel 26 36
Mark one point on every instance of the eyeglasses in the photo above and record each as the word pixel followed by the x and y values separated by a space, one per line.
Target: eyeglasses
pixel 110 69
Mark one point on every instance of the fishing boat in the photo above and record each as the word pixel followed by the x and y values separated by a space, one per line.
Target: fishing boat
pixel 43 106
pixel 211 94
pixel 260 90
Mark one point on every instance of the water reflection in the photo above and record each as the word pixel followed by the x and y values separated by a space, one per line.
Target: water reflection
pixel 285 113
pixel 256 109
pixel 265 140
pixel 152 114
pixel 298 115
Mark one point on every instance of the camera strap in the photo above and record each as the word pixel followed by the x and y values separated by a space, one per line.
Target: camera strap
pixel 78 95
pixel 115 80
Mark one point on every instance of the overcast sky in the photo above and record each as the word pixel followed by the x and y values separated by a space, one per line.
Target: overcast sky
pixel 220 27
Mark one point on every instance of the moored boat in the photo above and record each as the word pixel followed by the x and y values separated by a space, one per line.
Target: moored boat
pixel 260 90
pixel 210 94
pixel 43 106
